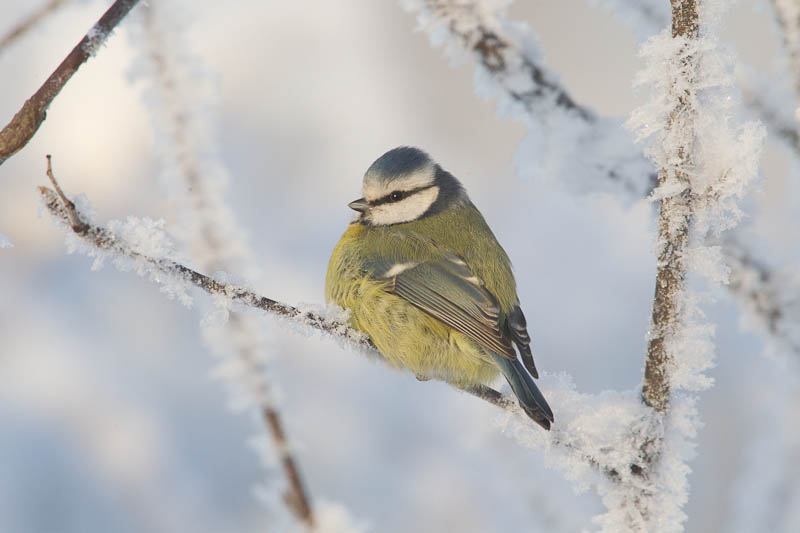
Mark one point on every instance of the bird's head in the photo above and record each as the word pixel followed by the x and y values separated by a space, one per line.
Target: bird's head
pixel 405 184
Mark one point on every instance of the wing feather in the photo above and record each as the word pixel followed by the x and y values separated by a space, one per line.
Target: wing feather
pixel 448 291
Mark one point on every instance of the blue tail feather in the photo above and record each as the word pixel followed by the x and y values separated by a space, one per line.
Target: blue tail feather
pixel 528 394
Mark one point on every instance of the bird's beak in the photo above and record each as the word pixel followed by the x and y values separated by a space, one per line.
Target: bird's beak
pixel 359 205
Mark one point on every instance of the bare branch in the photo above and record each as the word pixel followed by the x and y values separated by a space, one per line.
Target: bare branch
pixel 26 122
pixel 29 22
pixel 78 226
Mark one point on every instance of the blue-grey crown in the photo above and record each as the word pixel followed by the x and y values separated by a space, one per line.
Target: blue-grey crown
pixel 399 162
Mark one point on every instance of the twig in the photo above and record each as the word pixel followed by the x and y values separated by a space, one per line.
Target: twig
pixel 297 498
pixel 215 241
pixel 29 22
pixel 26 122
pixel 78 226
pixel 770 295
pixel 787 14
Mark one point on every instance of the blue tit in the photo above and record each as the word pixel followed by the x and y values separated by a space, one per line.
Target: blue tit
pixel 424 276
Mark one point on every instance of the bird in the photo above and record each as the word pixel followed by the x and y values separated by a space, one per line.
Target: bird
pixel 424 277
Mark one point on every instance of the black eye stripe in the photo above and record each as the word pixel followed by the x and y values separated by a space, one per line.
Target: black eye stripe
pixel 396 196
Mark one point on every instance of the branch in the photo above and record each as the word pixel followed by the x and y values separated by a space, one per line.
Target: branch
pixel 214 240
pixel 103 239
pixel 787 13
pixel 771 297
pixel 511 68
pixel 26 122
pixel 673 223
pixel 29 22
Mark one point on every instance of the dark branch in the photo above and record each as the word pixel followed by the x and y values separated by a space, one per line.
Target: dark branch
pixel 26 122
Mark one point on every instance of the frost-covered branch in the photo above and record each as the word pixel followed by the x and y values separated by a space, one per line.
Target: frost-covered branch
pixel 213 236
pixel 177 278
pixel 29 22
pixel 770 298
pixel 571 142
pixel 787 13
pixel 676 209
pixel 26 122
pixel 705 164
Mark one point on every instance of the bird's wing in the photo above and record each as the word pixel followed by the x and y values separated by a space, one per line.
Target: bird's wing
pixel 447 290
pixel 519 333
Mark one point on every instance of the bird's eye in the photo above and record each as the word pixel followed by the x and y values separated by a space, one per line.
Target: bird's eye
pixel 395 196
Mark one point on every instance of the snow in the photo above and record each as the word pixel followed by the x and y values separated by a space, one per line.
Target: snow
pixel 333 517
pixel 140 245
pixel 96 38
pixel 5 242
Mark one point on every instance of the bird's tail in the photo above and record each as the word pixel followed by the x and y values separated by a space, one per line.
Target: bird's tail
pixel 528 394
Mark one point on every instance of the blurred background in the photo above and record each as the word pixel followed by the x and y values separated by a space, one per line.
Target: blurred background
pixel 110 419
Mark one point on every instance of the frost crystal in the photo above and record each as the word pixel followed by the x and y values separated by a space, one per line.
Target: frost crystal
pixel 334 518
pixel 96 38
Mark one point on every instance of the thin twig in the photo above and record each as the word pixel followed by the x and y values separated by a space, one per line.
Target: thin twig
pixel 26 122
pixel 29 22
pixel 203 207
pixel 787 15
pixel 296 499
pixel 78 226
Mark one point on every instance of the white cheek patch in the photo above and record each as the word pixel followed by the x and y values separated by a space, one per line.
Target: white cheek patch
pixel 375 188
pixel 405 210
